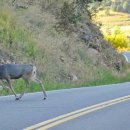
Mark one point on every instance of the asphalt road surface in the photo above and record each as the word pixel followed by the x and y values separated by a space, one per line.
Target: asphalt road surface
pixel 31 109
pixel 126 56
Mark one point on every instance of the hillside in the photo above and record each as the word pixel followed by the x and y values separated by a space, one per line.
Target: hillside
pixel 113 20
pixel 75 57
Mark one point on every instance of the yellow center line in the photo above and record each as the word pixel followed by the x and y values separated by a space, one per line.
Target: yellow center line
pixel 72 115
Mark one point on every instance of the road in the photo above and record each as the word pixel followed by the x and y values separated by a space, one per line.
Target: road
pixel 126 56
pixel 17 115
pixel 116 117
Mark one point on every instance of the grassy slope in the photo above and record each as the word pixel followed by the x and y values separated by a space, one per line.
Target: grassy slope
pixel 58 55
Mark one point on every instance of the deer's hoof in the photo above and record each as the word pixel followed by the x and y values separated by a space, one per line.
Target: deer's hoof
pixel 44 98
pixel 17 98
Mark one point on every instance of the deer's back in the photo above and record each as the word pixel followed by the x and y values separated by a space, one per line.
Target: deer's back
pixel 14 71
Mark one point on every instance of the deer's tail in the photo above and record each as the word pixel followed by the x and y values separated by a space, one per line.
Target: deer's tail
pixel 34 70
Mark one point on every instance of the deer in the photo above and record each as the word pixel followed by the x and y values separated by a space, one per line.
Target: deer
pixel 16 71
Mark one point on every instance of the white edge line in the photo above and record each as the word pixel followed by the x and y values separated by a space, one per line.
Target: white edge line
pixel 126 58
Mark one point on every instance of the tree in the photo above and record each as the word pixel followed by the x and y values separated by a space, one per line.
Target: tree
pixel 126 6
pixel 113 7
pixel 119 8
pixel 71 12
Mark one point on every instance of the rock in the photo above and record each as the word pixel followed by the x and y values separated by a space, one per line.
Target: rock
pixel 73 77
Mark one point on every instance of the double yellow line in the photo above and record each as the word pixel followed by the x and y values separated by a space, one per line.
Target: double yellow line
pixel 72 115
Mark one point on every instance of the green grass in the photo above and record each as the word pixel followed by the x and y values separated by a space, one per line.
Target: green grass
pixel 110 80
pixel 105 77
pixel 14 36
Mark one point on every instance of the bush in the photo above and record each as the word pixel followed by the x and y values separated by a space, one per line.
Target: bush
pixel 117 39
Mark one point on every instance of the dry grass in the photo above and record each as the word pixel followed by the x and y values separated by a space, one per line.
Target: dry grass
pixel 114 18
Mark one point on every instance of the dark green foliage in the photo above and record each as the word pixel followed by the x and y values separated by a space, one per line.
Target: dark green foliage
pixel 121 6
pixel 69 15
pixel 71 12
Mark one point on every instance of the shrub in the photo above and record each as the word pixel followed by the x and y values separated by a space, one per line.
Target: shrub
pixel 117 39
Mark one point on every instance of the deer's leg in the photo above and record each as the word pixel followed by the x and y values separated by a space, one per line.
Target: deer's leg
pixel 24 90
pixel 11 88
pixel 5 87
pixel 41 85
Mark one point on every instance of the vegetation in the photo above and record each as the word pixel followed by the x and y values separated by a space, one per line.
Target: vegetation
pixel 28 31
pixel 13 36
pixel 117 39
pixel 117 5
pixel 112 20
pixel 71 13
pixel 121 6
